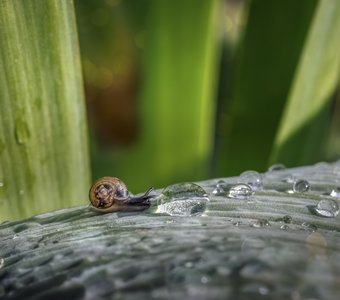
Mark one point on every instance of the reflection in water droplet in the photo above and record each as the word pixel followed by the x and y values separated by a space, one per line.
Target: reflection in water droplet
pixel 240 191
pixel 335 193
pixel 276 167
pixel 284 227
pixel 252 178
pixel 327 208
pixel 2 262
pixel 184 199
pixel 260 223
pixel 301 186
pixel 309 227
pixel 287 219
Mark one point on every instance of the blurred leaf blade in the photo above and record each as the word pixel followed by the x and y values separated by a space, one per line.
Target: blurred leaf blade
pixel 177 98
pixel 307 115
pixel 44 158
pixel 261 76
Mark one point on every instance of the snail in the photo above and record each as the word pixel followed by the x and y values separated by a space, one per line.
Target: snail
pixel 110 194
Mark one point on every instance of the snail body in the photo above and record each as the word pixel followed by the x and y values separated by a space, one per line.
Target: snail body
pixel 110 194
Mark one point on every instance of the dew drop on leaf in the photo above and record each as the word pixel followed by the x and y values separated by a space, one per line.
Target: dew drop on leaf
pixel 252 178
pixel 301 186
pixel 240 191
pixel 276 167
pixel 327 208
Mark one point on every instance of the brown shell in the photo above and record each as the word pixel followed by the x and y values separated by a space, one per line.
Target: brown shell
pixel 106 191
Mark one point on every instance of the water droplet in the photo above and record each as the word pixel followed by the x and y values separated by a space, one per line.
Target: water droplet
pixel 204 279
pixel 219 191
pixel 260 223
pixel 284 227
pixel 1 184
pixel 2 262
pixel 252 178
pixel 184 199
pixel 287 219
pixel 335 193
pixel 22 132
pixel 222 184
pixel 263 290
pixel 288 178
pixel 309 227
pixel 301 186
pixel 21 192
pixel 240 191
pixel 276 167
pixel 327 208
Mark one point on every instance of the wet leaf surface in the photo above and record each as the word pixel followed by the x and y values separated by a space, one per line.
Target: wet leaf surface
pixel 267 246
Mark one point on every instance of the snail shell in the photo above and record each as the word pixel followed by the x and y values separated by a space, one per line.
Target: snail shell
pixel 110 194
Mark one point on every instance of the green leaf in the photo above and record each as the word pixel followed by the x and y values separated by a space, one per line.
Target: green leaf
pixel 43 136
pixel 261 76
pixel 303 129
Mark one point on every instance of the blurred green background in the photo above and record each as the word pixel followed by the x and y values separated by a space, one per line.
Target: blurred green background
pixel 175 90
pixel 186 90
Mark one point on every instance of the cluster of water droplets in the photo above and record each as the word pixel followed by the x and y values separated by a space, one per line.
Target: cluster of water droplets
pixel 190 199
pixel 248 183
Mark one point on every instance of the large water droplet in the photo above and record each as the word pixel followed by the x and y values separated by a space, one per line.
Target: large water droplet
pixel 327 208
pixel 240 191
pixel 301 186
pixel 22 132
pixel 276 167
pixel 252 178
pixel 184 199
